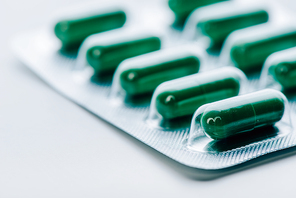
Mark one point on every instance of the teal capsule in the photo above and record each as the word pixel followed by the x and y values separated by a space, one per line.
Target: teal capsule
pixel 285 74
pixel 183 96
pixel 106 55
pixel 240 114
pixel 73 31
pixel 142 74
pixel 252 48
pixel 217 23
pixel 182 8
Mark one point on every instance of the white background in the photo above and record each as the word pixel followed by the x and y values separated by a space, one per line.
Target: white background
pixel 50 147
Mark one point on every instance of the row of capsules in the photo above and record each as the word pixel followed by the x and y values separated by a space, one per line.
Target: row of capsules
pixel 218 99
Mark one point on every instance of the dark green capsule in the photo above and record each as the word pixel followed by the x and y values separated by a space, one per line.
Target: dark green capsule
pixel 249 52
pixel 144 73
pixel 105 57
pixel 285 73
pixel 240 114
pixel 182 8
pixel 74 30
pixel 183 96
pixel 219 24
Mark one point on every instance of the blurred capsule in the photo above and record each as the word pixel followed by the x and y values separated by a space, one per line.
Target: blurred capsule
pixel 285 74
pixel 220 20
pixel 182 8
pixel 111 49
pixel 249 50
pixel 72 31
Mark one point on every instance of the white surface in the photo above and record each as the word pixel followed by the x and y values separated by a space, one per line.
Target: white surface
pixel 50 147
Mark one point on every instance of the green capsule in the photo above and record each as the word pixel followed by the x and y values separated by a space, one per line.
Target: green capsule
pixel 183 96
pixel 285 74
pixel 73 31
pixel 182 8
pixel 217 24
pixel 249 51
pixel 142 74
pixel 106 55
pixel 240 114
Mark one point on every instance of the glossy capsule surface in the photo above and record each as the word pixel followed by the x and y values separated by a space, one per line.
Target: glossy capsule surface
pixel 242 113
pixel 218 24
pixel 249 53
pixel 73 31
pixel 285 74
pixel 143 74
pixel 183 96
pixel 105 57
pixel 182 8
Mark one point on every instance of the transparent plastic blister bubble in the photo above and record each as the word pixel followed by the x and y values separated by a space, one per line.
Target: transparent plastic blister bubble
pixel 279 71
pixel 240 121
pixel 139 76
pixel 73 24
pixel 212 24
pixel 248 48
pixel 174 102
pixel 73 30
pixel 163 118
pixel 102 50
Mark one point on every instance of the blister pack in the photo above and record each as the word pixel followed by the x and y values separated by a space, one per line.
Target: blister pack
pixel 168 89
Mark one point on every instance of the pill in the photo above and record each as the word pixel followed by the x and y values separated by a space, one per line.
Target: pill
pixel 73 31
pixel 285 74
pixel 250 49
pixel 240 114
pixel 142 74
pixel 106 54
pixel 182 8
pixel 217 22
pixel 183 96
pixel 280 68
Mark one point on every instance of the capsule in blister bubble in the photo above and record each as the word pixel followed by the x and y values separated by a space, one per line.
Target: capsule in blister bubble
pixel 73 31
pixel 250 48
pixel 218 21
pixel 182 8
pixel 105 56
pixel 183 96
pixel 142 74
pixel 285 73
pixel 242 113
